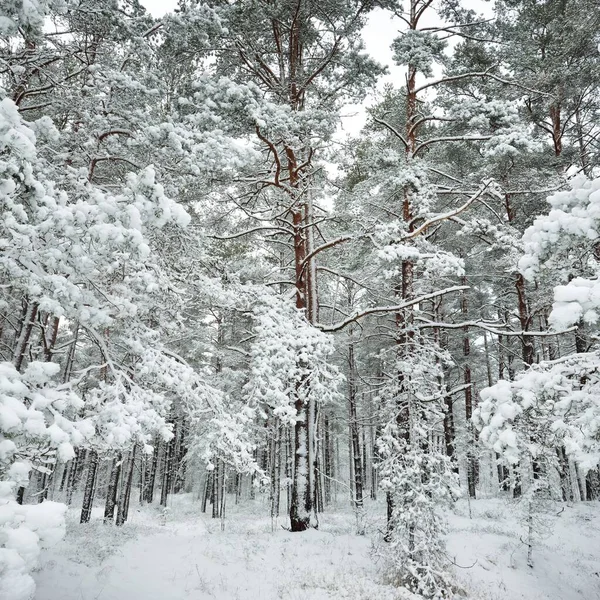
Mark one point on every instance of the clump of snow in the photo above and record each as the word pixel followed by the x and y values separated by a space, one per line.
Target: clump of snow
pixel 559 243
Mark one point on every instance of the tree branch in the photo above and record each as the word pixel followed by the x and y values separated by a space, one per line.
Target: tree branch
pixel 392 129
pixel 391 309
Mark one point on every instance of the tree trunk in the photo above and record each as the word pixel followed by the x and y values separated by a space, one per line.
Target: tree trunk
pixel 111 493
pixel 76 473
pixel 125 497
pixel 90 487
pixel 207 489
pixel 354 430
pixel 327 459
pixel 22 341
pixel 151 475
pixel 167 472
pixel 471 459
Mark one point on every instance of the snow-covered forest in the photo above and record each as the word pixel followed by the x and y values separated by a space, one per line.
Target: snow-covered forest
pixel 248 351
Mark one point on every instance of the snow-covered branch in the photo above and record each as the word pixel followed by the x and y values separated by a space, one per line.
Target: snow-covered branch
pixel 379 310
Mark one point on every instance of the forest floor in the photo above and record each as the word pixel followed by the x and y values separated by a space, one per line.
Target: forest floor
pixel 185 556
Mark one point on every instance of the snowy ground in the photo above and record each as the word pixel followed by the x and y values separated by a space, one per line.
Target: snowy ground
pixel 189 557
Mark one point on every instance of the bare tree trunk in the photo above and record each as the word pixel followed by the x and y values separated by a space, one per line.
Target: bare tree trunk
pixel 327 459
pixel 65 474
pixel 180 454
pixel 471 459
pixel 167 474
pixel 22 341
pixel 365 458
pixel 564 474
pixel 354 431
pixel 207 489
pixel 90 487
pixel 76 473
pixel 216 489
pixel 125 497
pixel 111 493
pixel 374 478
pixel 275 469
pixel 151 475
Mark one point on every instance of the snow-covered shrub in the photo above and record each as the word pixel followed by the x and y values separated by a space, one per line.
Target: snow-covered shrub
pixel 553 404
pixel 36 428
pixel 24 530
pixel 420 483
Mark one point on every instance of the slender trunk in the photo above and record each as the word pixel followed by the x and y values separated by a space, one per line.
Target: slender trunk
pixel 301 500
pixel 365 470
pixel 22 342
pixel 488 363
pixel 354 431
pixel 166 475
pixel 404 290
pixel 151 477
pixel 302 510
pixel 449 430
pixel 207 488
pixel 564 475
pixel 76 473
pixel 373 441
pixel 471 459
pixel 49 341
pixel 216 487
pixel 555 116
pixel 65 475
pixel 276 471
pixel 527 347
pixel 125 497
pixel 90 487
pixel 71 355
pixel 327 459
pixel 111 493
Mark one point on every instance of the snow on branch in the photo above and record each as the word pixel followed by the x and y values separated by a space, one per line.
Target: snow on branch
pixel 485 73
pixel 392 129
pixel 487 327
pixel 449 215
pixel 325 246
pixel 391 309
pixel 249 231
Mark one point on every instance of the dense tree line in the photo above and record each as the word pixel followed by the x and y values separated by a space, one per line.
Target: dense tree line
pixel 205 289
